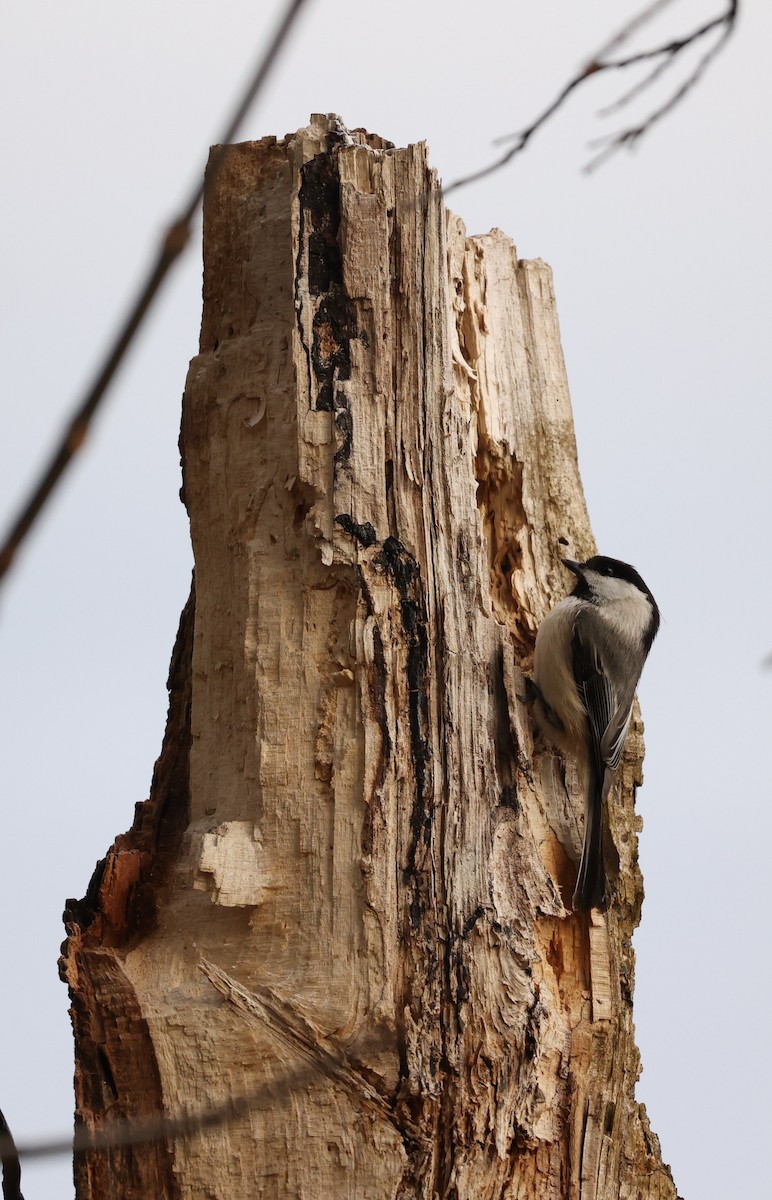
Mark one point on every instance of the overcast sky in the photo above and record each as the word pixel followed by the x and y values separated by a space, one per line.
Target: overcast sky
pixel 662 270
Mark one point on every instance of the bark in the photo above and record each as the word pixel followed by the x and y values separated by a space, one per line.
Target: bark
pixel 353 875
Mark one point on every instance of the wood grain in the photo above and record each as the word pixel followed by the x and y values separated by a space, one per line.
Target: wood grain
pixel 380 470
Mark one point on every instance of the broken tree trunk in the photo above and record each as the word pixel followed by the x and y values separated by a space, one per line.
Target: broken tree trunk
pixel 348 897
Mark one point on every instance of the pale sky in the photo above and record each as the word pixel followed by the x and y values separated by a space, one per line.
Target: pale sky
pixel 662 271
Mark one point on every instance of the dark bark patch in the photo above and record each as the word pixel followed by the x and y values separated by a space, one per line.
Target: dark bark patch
pixel 345 425
pixel 362 533
pixel 334 325
pixel 405 574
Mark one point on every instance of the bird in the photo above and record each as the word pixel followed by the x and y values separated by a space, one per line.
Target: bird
pixel 589 654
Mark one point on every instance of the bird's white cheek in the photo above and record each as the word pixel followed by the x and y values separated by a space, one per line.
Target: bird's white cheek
pixel 630 617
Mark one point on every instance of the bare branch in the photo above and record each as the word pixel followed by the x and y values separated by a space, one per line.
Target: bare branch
pixel 664 55
pixel 10 1161
pixel 524 137
pixel 726 19
pixel 162 1127
pixel 177 235
pixel 647 81
pixel 633 25
pixel 324 1058
pixel 628 137
pixel 171 247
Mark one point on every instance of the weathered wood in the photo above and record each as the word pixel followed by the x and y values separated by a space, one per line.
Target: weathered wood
pixel 380 471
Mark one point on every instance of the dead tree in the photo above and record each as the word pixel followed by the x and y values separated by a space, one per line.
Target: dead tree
pixel 343 916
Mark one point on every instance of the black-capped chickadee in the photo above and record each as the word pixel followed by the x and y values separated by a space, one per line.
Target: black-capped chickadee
pixel 589 655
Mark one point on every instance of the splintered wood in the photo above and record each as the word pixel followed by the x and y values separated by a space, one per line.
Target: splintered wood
pixel 350 826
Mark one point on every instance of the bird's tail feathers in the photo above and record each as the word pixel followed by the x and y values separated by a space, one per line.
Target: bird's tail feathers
pixel 590 891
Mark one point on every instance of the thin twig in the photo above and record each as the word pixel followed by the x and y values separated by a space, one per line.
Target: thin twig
pixel 633 25
pixel 628 137
pixel 666 52
pixel 648 80
pixel 523 138
pixel 726 18
pixel 171 247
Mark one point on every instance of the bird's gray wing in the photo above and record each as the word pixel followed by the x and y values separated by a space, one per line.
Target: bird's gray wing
pixel 614 740
pixel 608 713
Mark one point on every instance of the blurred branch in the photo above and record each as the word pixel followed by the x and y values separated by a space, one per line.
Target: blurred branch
pixel 172 245
pixel 10 1161
pixel 175 239
pixel 663 56
pixel 668 55
pixel 329 1062
pixel 161 1126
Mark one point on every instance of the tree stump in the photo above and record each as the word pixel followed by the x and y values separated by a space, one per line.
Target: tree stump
pixel 352 880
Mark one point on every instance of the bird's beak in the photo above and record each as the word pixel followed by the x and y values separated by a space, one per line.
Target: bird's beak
pixel 576 567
